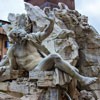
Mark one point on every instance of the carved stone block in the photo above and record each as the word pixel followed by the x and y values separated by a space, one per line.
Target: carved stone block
pixel 4 96
pixel 14 74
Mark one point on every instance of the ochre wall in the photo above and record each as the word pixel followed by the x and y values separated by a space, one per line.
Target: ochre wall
pixel 37 2
pixel 3 49
pixel 3 39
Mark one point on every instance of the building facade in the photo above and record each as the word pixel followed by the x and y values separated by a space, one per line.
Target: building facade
pixel 3 39
pixel 52 3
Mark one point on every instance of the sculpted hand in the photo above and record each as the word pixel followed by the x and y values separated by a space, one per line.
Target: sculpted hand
pixel 50 14
pixel 50 17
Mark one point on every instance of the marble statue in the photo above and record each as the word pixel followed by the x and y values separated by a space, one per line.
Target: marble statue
pixel 23 53
pixel 44 40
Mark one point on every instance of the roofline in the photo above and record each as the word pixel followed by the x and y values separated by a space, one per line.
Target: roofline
pixel 5 21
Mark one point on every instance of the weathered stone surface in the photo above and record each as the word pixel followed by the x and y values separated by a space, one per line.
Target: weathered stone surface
pixel 39 75
pixel 49 78
pixel 4 86
pixel 30 97
pixel 90 54
pixel 86 95
pixel 97 93
pixel 88 41
pixel 23 87
pixel 48 94
pixel 43 78
pixel 14 74
pixel 4 96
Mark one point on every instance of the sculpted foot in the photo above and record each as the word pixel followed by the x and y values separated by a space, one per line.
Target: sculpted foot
pixel 89 80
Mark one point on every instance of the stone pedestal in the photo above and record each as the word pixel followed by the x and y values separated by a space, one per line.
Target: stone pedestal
pixel 39 85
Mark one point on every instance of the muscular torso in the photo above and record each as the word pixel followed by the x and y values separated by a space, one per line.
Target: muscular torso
pixel 26 56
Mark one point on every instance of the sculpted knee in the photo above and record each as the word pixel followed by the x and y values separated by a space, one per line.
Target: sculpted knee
pixel 56 57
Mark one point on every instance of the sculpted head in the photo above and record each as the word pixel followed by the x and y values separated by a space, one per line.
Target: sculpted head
pixel 15 35
pixel 20 25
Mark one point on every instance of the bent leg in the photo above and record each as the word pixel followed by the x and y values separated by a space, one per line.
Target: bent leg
pixel 71 70
pixel 55 59
pixel 46 64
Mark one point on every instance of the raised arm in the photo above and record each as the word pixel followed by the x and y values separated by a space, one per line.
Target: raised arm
pixel 48 30
pixel 41 35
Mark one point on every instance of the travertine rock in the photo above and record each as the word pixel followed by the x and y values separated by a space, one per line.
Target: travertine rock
pixel 88 41
pixel 84 95
pixel 14 74
pixel 4 96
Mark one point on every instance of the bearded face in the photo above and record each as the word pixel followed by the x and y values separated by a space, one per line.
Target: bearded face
pixel 16 35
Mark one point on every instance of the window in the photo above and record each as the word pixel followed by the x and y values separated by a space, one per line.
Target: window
pixel 0 57
pixel 0 24
pixel 7 45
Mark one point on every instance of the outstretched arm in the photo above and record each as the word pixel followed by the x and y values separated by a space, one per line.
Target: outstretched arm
pixel 40 36
pixel 48 30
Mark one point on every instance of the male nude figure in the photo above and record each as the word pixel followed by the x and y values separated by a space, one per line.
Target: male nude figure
pixel 23 54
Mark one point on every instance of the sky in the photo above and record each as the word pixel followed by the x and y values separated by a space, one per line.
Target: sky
pixel 89 8
pixel 11 6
